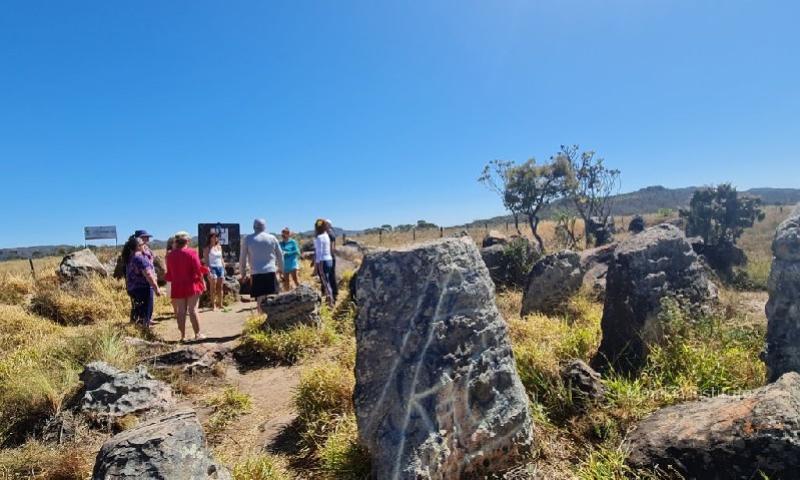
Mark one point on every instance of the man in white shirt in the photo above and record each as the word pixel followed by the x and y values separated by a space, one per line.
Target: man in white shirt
pixel 262 253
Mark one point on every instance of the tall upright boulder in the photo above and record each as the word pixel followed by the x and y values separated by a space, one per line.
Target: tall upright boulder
pixel 437 392
pixel 783 307
pixel 648 267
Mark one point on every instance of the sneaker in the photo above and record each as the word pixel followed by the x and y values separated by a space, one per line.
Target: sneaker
pixel 200 336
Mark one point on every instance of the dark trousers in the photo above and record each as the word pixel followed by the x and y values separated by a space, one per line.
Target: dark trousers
pixel 141 305
pixel 334 284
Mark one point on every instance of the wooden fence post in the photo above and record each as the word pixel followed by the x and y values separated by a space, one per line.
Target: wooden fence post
pixel 441 232
pixel 414 233
pixel 380 236
pixel 33 270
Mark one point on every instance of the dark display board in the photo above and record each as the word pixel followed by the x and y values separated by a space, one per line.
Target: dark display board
pixel 228 237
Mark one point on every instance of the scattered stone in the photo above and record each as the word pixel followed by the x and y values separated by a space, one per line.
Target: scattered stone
pixel 82 263
pixel 655 264
pixel 168 447
pixel 194 358
pixel 62 427
pixel 354 244
pixel 297 307
pixel 494 238
pixel 732 437
pixel 553 280
pixel 783 307
pixel 110 393
pixel 437 392
pixel 583 382
pixel 637 224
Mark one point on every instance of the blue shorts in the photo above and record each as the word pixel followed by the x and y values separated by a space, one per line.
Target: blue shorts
pixel 217 272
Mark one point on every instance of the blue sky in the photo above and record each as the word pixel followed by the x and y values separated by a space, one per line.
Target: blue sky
pixel 162 114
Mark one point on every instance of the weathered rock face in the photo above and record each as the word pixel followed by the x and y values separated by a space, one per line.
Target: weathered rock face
pixel 594 263
pixel 82 263
pixel 437 392
pixel 493 237
pixel 348 258
pixel 647 267
pixel 637 224
pixel 726 437
pixel 169 447
pixel 297 307
pixel 584 383
pixel 553 280
pixel 600 231
pixel 783 307
pixel 108 392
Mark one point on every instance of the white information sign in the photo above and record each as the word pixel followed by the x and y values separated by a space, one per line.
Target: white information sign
pixel 100 233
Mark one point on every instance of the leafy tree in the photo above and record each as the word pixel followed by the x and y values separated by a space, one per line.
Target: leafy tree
pixel 719 216
pixel 386 227
pixel 593 189
pixel 425 224
pixel 527 188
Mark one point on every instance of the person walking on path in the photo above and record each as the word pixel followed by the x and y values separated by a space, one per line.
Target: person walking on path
pixel 185 272
pixel 262 253
pixel 323 260
pixel 140 280
pixel 212 255
pixel 332 235
pixel 291 258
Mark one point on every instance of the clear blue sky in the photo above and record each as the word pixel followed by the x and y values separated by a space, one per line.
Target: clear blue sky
pixel 161 114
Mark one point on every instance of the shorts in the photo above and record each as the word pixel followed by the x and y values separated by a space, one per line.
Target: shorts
pixel 264 284
pixel 217 272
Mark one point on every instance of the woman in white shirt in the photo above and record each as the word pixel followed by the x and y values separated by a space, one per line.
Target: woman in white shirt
pixel 216 277
pixel 323 260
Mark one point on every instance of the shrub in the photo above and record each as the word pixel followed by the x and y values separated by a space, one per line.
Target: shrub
pixel 341 457
pixel 228 405
pixel 262 467
pixel 282 346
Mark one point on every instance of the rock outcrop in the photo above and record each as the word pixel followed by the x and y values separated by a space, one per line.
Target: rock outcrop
pixel 297 307
pixel 197 358
pixel 600 231
pixel 783 307
pixel 82 263
pixel 648 267
pixel 437 392
pixel 594 263
pixel 730 437
pixel 552 281
pixel 108 393
pixel 168 447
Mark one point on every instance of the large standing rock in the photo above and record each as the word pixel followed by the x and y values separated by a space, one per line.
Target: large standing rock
pixel 297 307
pixel 437 392
pixel 726 437
pixel 82 263
pixel 600 231
pixel 169 447
pixel 109 393
pixel 647 268
pixel 783 307
pixel 552 281
pixel 637 224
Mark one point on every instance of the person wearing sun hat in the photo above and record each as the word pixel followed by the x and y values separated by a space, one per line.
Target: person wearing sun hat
pixel 186 273
pixel 145 236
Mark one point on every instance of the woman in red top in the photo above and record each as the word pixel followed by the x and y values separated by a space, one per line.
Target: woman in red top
pixel 185 273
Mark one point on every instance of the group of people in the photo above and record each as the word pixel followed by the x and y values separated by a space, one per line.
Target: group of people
pixel 264 260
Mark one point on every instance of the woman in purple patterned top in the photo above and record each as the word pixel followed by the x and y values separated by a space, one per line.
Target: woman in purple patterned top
pixel 140 277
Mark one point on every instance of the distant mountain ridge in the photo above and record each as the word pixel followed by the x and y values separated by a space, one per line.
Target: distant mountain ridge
pixel 645 200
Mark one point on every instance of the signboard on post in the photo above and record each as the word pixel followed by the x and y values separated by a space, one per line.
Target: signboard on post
pixel 229 238
pixel 100 233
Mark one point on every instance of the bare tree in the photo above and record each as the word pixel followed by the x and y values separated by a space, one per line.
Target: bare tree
pixel 592 192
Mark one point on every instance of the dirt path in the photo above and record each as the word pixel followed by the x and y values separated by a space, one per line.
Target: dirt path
pixel 270 388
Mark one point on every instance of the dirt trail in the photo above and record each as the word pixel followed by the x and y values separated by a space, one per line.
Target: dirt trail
pixel 270 388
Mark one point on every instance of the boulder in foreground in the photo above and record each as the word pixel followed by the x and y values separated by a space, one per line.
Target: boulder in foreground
pixel 727 437
pixel 437 392
pixel 783 307
pixel 552 281
pixel 171 447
